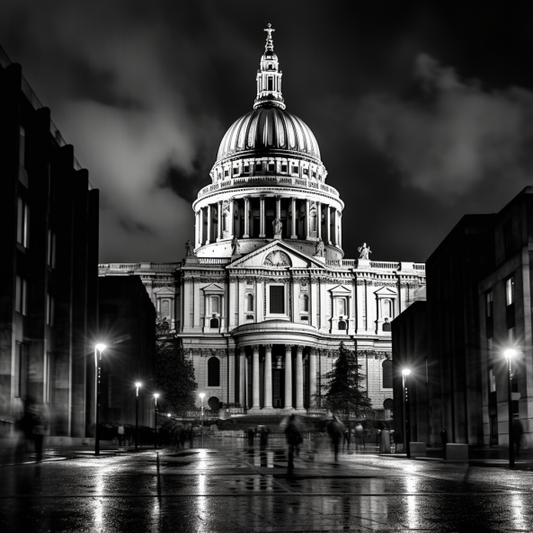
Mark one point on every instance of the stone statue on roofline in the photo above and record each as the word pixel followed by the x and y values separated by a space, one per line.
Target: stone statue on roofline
pixel 364 252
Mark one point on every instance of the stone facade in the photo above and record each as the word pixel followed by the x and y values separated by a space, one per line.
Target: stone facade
pixel 264 296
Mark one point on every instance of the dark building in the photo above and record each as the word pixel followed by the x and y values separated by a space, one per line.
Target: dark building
pixel 127 327
pixel 478 305
pixel 48 272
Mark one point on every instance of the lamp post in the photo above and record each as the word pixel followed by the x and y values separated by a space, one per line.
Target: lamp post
pixel 138 385
pixel 509 354
pixel 202 396
pixel 407 422
pixel 156 396
pixel 98 349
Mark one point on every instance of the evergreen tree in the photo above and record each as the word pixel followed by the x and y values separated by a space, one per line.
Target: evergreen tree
pixel 343 392
pixel 174 373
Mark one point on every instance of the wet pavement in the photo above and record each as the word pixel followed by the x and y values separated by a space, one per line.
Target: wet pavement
pixel 229 487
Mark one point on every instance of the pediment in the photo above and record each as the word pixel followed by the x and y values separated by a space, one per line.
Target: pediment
pixel 276 254
pixel 165 291
pixel 213 288
pixel 340 290
pixel 385 292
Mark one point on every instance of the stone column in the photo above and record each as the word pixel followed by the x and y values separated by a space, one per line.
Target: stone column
pixel 220 214
pixel 288 376
pixel 268 376
pixel 255 382
pixel 231 375
pixel 208 240
pixel 293 219
pixel 299 378
pixel 319 220
pixel 231 222
pixel 246 218
pixel 328 224
pixel 307 219
pixel 242 377
pixel 262 217
pixel 312 377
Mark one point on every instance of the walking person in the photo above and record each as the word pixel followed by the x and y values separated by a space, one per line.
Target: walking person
pixel 293 434
pixel 336 432
pixel 120 432
pixel 518 431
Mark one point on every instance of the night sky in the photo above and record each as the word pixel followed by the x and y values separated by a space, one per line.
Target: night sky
pixel 423 111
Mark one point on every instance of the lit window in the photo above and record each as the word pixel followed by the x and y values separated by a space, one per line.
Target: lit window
pixel 509 291
pixel 51 255
pixel 23 221
pixel 50 310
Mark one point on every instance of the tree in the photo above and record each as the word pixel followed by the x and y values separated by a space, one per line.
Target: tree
pixel 343 391
pixel 174 372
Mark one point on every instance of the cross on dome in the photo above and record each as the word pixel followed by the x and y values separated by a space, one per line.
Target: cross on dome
pixel 269 46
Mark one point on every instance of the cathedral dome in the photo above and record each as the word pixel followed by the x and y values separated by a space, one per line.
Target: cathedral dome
pixel 268 128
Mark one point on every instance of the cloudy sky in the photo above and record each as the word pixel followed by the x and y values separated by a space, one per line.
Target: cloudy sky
pixel 423 111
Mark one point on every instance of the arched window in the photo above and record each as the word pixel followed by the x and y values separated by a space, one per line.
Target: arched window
pixel 213 372
pixel 386 325
pixel 304 303
pixel 342 324
pixel 250 303
pixel 165 308
pixel 213 323
pixel 386 308
pixel 387 374
pixel 341 306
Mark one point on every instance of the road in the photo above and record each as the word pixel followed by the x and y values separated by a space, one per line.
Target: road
pixel 229 487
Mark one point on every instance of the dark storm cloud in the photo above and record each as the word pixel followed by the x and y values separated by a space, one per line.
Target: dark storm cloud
pixel 145 91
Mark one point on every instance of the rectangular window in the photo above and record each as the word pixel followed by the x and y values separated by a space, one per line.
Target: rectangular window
pixel 22 147
pixel 51 255
pixel 509 291
pixel 258 167
pixel 50 310
pixel 492 380
pixel 284 168
pixel 47 375
pixel 277 299
pixel 21 370
pixel 271 167
pixel 21 296
pixel 488 304
pixel 23 221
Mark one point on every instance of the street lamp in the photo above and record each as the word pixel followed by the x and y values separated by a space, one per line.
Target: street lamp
pixel 509 354
pixel 202 396
pixel 138 385
pixel 405 373
pixel 156 396
pixel 98 349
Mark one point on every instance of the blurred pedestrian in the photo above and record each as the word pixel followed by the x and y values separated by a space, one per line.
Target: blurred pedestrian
pixel 347 438
pixel 293 434
pixel 190 435
pixel 336 432
pixel 250 433
pixel 120 433
pixel 359 435
pixel 263 431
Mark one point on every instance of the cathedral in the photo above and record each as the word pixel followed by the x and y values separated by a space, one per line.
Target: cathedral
pixel 264 296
